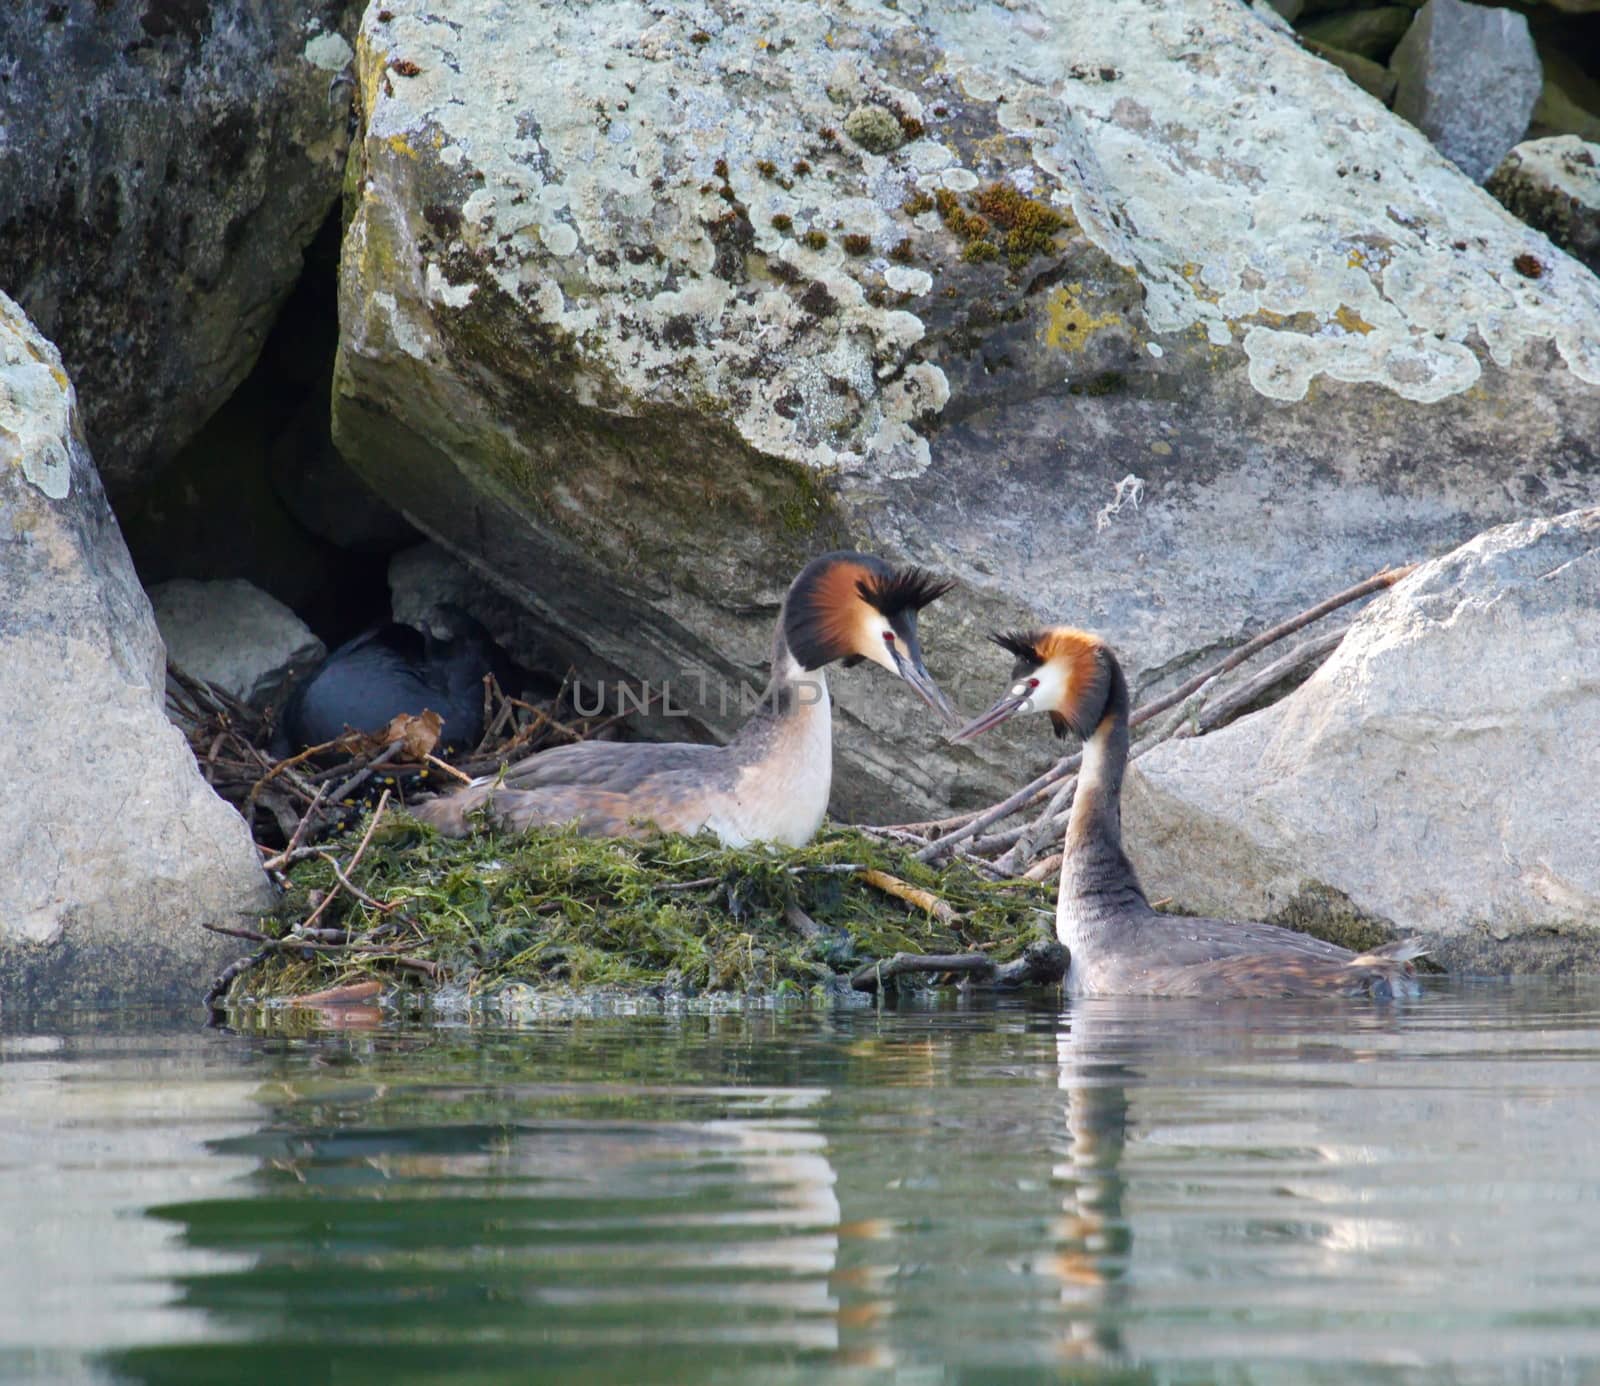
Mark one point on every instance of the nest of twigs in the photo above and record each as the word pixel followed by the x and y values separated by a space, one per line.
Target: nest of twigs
pixel 293 803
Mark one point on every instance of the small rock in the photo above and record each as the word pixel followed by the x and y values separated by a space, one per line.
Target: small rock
pixel 1554 186
pixel 1468 78
pixel 874 129
pixel 234 635
pixel 1367 33
pixel 426 577
pixel 1373 78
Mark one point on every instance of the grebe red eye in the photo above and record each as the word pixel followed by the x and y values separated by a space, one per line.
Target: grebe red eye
pixel 1033 683
pixel 888 637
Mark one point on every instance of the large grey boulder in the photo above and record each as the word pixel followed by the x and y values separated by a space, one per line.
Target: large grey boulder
pixel 164 167
pixel 1554 186
pixel 115 849
pixel 1437 776
pixel 1468 76
pixel 232 634
pixel 635 329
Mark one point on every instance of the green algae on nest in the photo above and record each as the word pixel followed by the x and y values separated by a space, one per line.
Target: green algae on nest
pixel 556 912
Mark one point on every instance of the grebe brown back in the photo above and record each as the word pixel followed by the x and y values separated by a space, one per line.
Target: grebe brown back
pixel 1119 945
pixel 771 782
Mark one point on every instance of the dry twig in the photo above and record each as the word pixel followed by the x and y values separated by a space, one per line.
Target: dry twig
pixel 912 895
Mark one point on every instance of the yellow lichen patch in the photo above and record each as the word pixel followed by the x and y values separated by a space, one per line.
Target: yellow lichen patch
pixel 1070 322
pixel 994 148
pixel 1191 273
pixel 401 145
pixel 1304 321
pixel 1351 320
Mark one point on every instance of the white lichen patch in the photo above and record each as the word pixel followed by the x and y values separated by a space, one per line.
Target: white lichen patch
pixel 328 51
pixel 905 280
pixel 36 405
pixel 1248 182
pixel 441 290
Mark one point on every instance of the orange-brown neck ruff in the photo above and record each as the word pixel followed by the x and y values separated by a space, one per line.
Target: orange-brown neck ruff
pixel 1085 682
pixel 827 617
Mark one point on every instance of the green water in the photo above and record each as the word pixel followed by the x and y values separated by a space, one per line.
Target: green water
pixel 1106 1191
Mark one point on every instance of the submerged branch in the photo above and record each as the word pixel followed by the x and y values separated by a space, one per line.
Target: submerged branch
pixel 1044 963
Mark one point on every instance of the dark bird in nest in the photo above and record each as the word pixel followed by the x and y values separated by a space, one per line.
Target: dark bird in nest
pixel 389 670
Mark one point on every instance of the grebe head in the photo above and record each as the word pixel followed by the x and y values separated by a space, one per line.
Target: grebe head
pixel 1060 671
pixel 854 606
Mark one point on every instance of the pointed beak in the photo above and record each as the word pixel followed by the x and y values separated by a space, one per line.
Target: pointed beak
pixel 910 667
pixel 1007 707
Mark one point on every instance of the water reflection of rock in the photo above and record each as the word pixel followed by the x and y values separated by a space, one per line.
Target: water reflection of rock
pixel 93 1128
pixel 715 1222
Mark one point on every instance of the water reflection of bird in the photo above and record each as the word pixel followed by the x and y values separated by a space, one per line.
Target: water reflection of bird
pixel 1119 945
pixel 389 670
pixel 771 782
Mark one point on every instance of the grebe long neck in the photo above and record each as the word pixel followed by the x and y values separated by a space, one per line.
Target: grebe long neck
pixel 782 759
pixel 793 695
pixel 1097 880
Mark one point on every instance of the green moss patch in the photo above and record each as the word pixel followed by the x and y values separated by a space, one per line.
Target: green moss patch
pixel 558 912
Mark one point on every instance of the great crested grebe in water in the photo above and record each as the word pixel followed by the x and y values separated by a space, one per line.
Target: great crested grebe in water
pixel 771 782
pixel 1119 945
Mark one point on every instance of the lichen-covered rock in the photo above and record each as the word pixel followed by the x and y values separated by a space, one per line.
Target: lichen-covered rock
pixel 164 166
pixel 234 635
pixel 1436 776
pixel 1554 185
pixel 1153 322
pixel 115 849
pixel 1468 76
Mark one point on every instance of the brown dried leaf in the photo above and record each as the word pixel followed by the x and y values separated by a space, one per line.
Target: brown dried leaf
pixel 417 735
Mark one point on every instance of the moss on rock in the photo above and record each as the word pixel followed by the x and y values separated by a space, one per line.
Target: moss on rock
pixel 875 129
pixel 555 911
